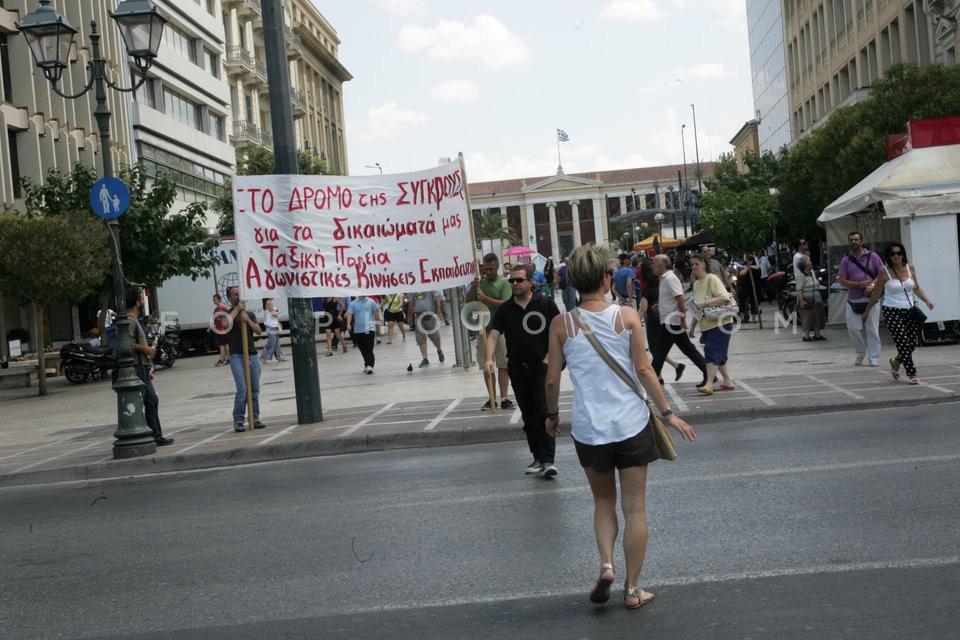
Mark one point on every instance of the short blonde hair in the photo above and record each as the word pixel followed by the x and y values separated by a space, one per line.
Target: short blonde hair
pixel 588 264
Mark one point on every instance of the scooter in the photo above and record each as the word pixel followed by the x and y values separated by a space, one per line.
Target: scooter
pixel 81 362
pixel 167 344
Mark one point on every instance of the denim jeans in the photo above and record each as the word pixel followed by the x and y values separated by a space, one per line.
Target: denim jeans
pixel 272 350
pixel 151 402
pixel 240 399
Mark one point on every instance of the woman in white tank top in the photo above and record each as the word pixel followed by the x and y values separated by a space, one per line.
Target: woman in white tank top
pixel 898 282
pixel 609 422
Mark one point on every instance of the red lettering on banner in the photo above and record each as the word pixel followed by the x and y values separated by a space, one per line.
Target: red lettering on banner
pixel 252 275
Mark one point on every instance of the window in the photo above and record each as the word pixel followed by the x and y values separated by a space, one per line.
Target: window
pixel 216 126
pixel 195 182
pixel 14 163
pixel 181 42
pixel 211 62
pixel 7 94
pixel 181 109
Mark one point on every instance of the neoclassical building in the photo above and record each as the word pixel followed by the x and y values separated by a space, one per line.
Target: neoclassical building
pixel 555 214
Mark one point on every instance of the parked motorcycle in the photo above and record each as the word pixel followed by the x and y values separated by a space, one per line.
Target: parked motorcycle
pixel 81 361
pixel 167 343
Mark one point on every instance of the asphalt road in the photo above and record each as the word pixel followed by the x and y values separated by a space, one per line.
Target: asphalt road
pixel 840 525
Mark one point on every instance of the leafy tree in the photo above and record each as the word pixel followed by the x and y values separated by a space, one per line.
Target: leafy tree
pixel 737 209
pixel 488 225
pixel 850 144
pixel 260 162
pixel 46 258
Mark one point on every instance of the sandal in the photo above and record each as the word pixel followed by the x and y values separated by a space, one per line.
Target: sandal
pixel 329 353
pixel 601 591
pixel 895 368
pixel 643 597
pixel 805 339
pixel 706 390
pixel 913 381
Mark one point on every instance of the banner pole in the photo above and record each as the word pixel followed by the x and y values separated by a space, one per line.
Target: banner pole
pixel 246 368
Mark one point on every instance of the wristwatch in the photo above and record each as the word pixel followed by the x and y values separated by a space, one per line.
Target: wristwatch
pixel 666 413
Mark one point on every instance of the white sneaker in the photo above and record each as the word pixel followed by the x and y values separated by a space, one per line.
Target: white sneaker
pixel 535 467
pixel 873 363
pixel 858 362
pixel 549 471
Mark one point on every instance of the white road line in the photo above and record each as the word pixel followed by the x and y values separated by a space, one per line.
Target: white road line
pixel 101 443
pixel 759 396
pixel 278 434
pixel 206 440
pixel 515 418
pixel 31 450
pixel 933 386
pixel 855 396
pixel 367 419
pixel 677 400
pixel 443 414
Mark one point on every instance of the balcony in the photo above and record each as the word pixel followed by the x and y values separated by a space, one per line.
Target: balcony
pixel 299 100
pixel 294 43
pixel 239 61
pixel 245 8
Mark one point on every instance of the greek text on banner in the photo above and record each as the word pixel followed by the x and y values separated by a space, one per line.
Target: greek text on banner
pixel 313 236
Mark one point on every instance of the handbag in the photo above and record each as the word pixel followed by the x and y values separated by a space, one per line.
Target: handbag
pixel 668 450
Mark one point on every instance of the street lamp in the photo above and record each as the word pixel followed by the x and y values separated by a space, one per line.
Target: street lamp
pixel 375 165
pixel 50 38
pixel 658 242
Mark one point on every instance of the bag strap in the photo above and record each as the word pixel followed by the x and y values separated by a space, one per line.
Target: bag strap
pixel 606 357
pixel 866 266
pixel 912 303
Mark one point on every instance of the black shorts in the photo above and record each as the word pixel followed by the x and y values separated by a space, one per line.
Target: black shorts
pixel 637 451
pixel 394 316
pixel 223 338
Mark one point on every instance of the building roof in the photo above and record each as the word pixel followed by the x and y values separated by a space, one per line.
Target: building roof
pixel 665 173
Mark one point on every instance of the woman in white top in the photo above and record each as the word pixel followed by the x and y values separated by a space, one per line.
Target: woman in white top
pixel 609 422
pixel 271 320
pixel 898 283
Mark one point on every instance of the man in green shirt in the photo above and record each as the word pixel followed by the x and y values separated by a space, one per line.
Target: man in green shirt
pixel 493 290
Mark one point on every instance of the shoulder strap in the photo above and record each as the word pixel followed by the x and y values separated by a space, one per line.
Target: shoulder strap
pixel 605 356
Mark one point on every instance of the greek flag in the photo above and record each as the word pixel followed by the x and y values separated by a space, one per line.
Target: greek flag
pixel 562 136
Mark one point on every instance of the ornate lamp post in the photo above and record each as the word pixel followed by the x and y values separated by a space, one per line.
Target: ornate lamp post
pixel 658 241
pixel 50 37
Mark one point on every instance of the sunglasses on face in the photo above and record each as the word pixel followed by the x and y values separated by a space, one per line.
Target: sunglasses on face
pixel 896 253
pixel 516 280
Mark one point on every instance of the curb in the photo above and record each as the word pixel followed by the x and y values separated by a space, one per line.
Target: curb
pixel 134 467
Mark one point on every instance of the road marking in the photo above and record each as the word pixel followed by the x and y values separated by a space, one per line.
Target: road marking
pixel 677 400
pixel 31 450
pixel 61 455
pixel 933 386
pixel 278 434
pixel 205 440
pixel 759 396
pixel 515 418
pixel 443 414
pixel 853 395
pixel 367 419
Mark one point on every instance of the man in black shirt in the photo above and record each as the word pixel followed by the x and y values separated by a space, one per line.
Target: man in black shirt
pixel 524 320
pixel 243 320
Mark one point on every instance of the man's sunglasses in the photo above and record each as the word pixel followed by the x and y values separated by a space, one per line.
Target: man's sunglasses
pixel 516 280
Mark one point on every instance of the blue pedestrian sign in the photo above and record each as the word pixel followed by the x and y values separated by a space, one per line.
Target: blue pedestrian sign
pixel 109 197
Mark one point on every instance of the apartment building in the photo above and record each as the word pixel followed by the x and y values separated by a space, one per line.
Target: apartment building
pixel 316 80
pixel 768 68
pixel 835 49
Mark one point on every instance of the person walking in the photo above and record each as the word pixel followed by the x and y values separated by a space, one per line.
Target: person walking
pixel 523 320
pixel 673 320
pixel 492 290
pixel 143 354
pixel 333 309
pixel 243 320
pixel 623 281
pixel 550 274
pixel 810 302
pixel 901 290
pixel 422 314
pixel 567 293
pixel 650 312
pixel 271 321
pixel 857 272
pixel 218 325
pixel 708 291
pixel 393 314
pixel 609 423
pixel 363 316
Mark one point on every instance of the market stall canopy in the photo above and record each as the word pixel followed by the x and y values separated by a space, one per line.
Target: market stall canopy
pixel 918 183
pixel 518 251
pixel 665 243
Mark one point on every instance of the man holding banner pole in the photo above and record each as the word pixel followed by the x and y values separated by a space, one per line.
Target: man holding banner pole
pixel 245 369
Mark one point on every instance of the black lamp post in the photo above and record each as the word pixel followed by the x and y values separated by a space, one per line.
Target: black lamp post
pixel 50 37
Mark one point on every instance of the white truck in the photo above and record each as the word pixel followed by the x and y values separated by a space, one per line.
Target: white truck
pixel 190 302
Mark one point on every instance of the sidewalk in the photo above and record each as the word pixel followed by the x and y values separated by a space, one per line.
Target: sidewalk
pixel 67 435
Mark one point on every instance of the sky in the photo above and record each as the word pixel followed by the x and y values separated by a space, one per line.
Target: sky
pixel 495 79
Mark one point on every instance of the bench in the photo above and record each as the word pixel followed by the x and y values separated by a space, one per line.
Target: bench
pixel 13 377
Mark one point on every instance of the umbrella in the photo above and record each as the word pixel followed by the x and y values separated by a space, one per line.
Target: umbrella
pixel 665 243
pixel 518 251
pixel 696 241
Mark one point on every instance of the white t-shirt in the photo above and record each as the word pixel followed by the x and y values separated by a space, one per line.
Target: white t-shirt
pixel 797 272
pixel 670 288
pixel 764 264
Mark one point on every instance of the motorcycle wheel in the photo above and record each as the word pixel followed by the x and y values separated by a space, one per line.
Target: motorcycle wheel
pixel 74 374
pixel 788 308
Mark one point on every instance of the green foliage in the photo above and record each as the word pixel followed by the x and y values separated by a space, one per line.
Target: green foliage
pixel 737 209
pixel 260 162
pixel 488 225
pixel 823 165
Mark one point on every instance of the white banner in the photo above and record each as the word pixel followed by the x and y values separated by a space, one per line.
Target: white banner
pixel 312 236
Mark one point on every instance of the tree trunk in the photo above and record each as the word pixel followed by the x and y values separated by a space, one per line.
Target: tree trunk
pixel 39 345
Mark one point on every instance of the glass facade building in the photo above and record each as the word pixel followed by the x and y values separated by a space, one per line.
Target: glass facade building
pixel 768 67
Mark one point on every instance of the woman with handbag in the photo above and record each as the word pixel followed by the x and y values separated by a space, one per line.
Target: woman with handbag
pixel 898 283
pixel 612 428
pixel 709 293
pixel 810 302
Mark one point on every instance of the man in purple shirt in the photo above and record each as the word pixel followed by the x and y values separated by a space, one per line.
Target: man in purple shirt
pixel 857 272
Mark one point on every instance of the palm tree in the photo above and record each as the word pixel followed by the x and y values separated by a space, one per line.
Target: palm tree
pixel 488 225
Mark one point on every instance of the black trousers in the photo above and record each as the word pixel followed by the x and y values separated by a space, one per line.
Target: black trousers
pixel 528 382
pixel 364 342
pixel 674 334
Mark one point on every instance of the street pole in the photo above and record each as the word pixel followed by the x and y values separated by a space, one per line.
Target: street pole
pixel 306 376
pixel 696 148
pixel 685 184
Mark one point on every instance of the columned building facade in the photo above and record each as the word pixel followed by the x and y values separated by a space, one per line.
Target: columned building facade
pixel 553 215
